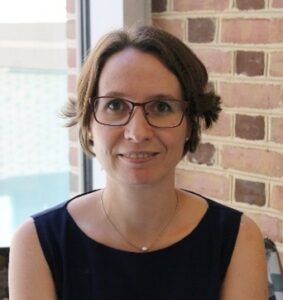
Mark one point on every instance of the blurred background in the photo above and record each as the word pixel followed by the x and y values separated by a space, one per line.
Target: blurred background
pixel 34 166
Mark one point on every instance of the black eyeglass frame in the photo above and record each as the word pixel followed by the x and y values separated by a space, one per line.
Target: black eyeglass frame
pixel 184 105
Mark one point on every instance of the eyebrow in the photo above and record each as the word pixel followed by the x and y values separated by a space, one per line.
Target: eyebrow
pixel 153 97
pixel 114 94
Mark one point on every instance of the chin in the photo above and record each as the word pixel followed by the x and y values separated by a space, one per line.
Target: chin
pixel 143 179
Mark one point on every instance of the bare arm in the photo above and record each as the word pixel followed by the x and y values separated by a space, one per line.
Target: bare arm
pixel 246 277
pixel 29 275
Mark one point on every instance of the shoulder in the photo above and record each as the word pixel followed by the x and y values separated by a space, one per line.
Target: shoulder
pixel 25 234
pixel 246 277
pixel 249 230
pixel 25 244
pixel 58 214
pixel 222 218
pixel 250 243
pixel 27 264
pixel 61 208
pixel 223 209
pixel 250 239
pixel 213 205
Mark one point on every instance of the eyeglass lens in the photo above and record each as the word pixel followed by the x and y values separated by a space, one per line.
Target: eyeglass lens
pixel 115 111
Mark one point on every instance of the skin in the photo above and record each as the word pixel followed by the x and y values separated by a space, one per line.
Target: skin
pixel 132 74
pixel 133 183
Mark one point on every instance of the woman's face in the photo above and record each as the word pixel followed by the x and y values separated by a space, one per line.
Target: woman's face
pixel 137 153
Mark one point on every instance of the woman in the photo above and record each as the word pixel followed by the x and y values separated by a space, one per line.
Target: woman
pixel 142 100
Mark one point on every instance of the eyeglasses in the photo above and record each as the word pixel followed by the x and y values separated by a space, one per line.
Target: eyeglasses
pixel 161 113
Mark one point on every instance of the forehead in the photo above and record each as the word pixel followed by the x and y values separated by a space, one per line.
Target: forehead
pixel 136 74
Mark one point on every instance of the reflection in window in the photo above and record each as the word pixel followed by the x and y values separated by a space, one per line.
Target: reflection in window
pixel 34 168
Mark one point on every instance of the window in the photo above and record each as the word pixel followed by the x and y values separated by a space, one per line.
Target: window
pixel 34 167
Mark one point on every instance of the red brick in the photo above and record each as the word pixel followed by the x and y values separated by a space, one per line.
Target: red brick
pixel 188 5
pixel 250 63
pixel 71 29
pixel 173 26
pixel 260 96
pixel 72 57
pixel 205 154
pixel 215 60
pixel 277 130
pixel 266 162
pixel 211 185
pixel 270 227
pixel 276 30
pixel 71 6
pixel 201 30
pixel 250 192
pixel 247 31
pixel 250 4
pixel 276 200
pixel 277 4
pixel 158 5
pixel 222 126
pixel 250 127
pixel 276 64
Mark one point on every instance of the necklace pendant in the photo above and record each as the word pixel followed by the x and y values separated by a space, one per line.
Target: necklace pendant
pixel 144 249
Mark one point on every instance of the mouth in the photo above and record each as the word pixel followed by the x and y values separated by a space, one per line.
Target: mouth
pixel 138 155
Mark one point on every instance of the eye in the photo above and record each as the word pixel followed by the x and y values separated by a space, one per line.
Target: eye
pixel 116 104
pixel 160 107
pixel 163 106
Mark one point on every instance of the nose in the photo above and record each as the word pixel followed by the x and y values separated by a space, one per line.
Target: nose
pixel 138 130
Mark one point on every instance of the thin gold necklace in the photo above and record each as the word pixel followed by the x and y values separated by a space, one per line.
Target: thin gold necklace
pixel 144 248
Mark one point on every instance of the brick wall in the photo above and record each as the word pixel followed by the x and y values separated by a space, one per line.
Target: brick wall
pixel 240 160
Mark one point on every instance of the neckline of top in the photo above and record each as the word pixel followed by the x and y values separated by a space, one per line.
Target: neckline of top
pixel 160 250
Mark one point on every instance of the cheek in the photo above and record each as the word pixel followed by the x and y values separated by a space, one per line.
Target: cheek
pixel 176 141
pixel 104 138
pixel 98 139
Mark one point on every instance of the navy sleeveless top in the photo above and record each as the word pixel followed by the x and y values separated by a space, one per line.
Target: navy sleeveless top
pixel 192 268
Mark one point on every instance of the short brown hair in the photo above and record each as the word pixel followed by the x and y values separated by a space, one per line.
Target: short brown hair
pixel 204 104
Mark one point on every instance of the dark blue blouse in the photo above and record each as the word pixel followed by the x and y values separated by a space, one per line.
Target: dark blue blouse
pixel 193 268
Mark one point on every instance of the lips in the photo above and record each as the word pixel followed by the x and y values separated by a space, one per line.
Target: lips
pixel 138 155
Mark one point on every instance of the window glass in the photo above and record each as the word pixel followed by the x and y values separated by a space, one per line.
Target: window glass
pixel 34 167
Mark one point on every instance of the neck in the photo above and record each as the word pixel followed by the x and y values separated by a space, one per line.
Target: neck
pixel 140 211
